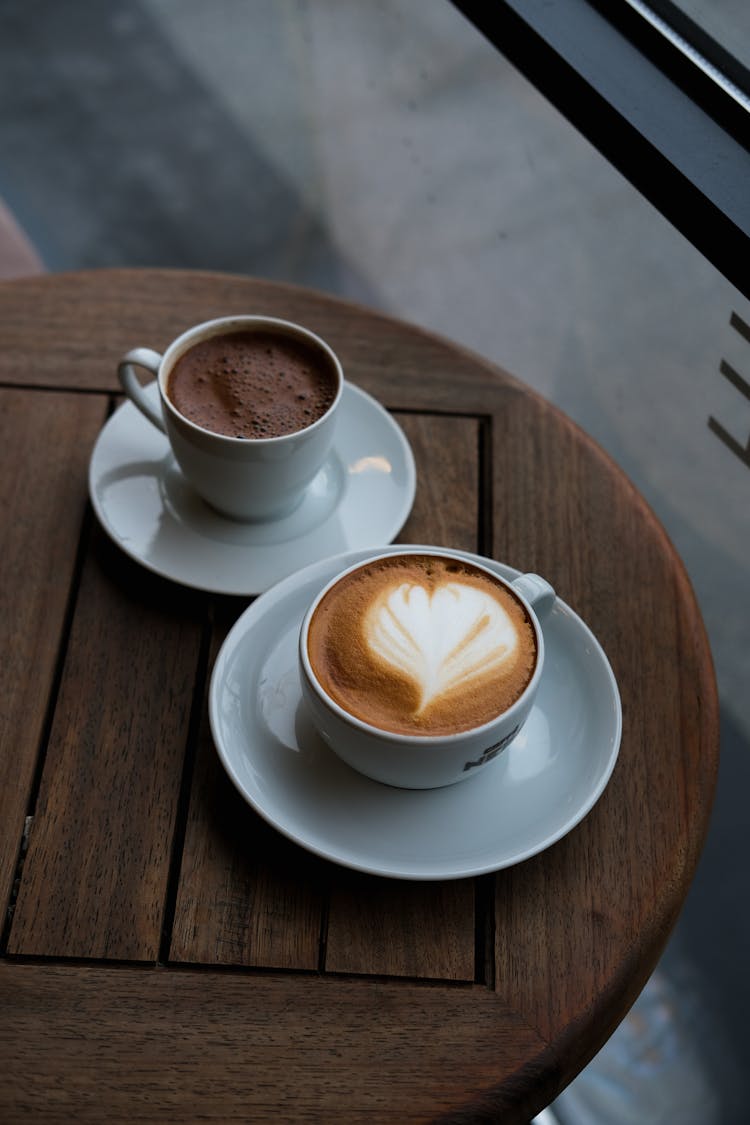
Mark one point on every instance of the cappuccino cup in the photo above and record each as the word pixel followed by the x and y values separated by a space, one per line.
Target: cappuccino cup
pixel 418 667
pixel 248 404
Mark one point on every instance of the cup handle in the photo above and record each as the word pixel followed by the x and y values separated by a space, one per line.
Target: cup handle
pixel 151 360
pixel 538 593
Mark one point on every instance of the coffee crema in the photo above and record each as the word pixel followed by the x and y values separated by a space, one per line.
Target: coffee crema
pixel 252 384
pixel 419 644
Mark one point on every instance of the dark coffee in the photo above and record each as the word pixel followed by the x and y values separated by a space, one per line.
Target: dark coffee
pixel 248 384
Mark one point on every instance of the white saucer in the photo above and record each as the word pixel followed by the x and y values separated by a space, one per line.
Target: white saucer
pixel 533 794
pixel 360 498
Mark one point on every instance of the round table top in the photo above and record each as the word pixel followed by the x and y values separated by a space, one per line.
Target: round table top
pixel 169 954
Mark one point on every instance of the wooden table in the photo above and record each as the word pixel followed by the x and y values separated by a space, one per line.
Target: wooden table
pixel 167 956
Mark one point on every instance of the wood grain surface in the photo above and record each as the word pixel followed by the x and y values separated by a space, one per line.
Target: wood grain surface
pixel 45 448
pixel 167 956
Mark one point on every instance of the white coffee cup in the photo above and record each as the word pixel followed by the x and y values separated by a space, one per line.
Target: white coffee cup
pixel 259 478
pixel 423 761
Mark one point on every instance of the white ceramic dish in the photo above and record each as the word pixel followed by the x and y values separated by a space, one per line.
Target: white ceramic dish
pixel 532 795
pixel 360 498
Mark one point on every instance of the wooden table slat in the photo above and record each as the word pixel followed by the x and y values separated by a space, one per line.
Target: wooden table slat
pixel 357 1049
pixel 424 930
pixel 447 508
pixel 244 896
pixel 95 876
pixel 46 449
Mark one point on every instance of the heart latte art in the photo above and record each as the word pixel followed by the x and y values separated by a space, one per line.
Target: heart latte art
pixel 440 639
pixel 422 644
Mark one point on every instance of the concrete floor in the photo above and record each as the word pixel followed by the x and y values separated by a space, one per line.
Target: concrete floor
pixel 386 153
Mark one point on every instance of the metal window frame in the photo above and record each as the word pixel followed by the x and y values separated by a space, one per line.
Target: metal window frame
pixel 679 139
pixel 699 39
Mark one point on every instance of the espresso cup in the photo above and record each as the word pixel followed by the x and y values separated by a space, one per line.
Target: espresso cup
pixel 248 404
pixel 418 667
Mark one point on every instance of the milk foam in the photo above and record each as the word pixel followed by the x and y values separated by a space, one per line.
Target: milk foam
pixel 440 639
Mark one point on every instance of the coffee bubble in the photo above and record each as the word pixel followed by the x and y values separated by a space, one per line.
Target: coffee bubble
pixel 252 384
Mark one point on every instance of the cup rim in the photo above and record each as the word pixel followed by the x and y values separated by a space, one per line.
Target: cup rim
pixel 220 326
pixel 418 740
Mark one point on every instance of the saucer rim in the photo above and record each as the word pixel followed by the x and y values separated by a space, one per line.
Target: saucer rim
pixel 357 398
pixel 330 853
